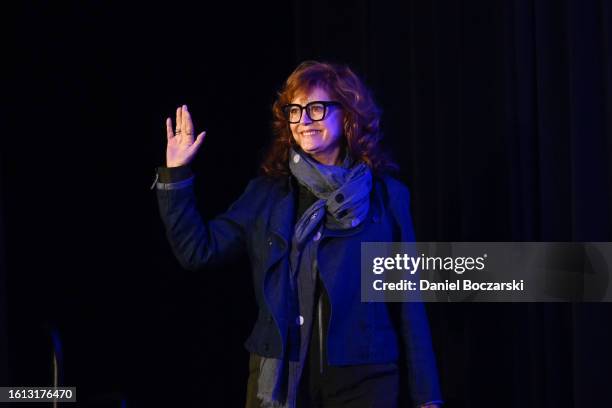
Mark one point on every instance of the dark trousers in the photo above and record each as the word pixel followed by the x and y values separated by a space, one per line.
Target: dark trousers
pixel 360 386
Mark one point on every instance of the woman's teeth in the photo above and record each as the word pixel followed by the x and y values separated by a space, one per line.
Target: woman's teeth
pixel 310 132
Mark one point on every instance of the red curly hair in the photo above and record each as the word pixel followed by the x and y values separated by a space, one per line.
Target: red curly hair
pixel 362 133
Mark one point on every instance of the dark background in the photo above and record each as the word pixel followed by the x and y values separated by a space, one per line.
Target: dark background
pixel 499 113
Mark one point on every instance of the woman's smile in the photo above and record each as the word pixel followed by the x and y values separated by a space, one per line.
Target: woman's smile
pixel 311 132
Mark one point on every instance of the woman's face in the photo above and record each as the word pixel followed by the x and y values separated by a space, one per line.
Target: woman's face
pixel 321 139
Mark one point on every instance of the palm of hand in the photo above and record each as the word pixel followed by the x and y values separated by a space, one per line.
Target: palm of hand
pixel 181 147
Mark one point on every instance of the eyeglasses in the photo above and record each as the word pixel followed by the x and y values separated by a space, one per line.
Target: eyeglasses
pixel 316 110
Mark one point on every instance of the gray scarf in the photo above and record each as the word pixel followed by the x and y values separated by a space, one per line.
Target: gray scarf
pixel 343 194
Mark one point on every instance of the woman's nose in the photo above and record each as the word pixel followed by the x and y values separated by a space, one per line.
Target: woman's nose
pixel 305 119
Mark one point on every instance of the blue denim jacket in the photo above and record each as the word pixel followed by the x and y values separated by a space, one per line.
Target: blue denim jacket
pixel 261 222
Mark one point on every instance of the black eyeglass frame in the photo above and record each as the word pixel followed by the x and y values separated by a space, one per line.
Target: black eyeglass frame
pixel 306 108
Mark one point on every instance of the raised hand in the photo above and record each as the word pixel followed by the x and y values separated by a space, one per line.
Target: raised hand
pixel 181 147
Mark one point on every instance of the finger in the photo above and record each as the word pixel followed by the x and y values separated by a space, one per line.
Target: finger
pixel 179 115
pixel 187 122
pixel 187 125
pixel 169 131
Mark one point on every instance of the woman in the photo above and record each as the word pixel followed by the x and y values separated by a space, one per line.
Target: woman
pixel 323 191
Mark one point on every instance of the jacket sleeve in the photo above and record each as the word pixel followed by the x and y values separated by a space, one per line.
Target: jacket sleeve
pixel 415 335
pixel 195 242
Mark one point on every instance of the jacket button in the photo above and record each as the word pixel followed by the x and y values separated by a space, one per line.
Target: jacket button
pixel 300 320
pixel 339 198
pixel 270 241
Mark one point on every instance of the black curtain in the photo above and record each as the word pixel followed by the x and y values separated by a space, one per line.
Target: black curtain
pixel 3 303
pixel 498 112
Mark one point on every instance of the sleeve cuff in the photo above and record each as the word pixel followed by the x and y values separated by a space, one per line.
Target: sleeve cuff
pixel 173 174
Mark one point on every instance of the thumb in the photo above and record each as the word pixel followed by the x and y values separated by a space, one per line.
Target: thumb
pixel 196 144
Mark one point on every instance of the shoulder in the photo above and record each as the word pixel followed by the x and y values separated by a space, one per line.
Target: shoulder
pixel 264 188
pixel 395 195
pixel 260 193
pixel 268 184
pixel 393 187
pixel 397 203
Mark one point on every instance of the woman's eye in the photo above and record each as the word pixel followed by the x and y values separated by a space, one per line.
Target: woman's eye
pixel 317 109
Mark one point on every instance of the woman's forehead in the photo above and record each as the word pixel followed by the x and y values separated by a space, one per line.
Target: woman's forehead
pixel 315 93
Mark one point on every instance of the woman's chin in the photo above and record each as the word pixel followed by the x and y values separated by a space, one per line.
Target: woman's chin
pixel 309 149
